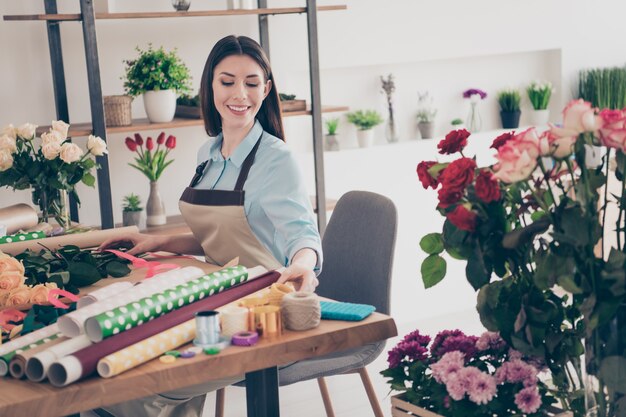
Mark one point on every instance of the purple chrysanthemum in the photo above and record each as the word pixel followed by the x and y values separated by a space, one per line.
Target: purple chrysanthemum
pixel 415 336
pixel 451 340
pixel 490 341
pixel 528 400
pixel 473 91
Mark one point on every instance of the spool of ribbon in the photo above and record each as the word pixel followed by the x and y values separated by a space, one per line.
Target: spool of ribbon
pixel 301 310
pixel 17 217
pixel 207 328
pixel 267 321
pixel 255 300
pixel 154 267
pixel 245 338
pixel 277 292
pixel 234 320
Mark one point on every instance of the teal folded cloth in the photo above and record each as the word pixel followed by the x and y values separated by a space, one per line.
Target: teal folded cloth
pixel 333 310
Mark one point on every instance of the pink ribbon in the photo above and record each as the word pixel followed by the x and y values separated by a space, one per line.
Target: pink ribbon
pixel 8 316
pixel 154 267
pixel 56 302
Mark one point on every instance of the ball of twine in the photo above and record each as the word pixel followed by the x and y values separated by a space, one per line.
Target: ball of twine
pixel 301 310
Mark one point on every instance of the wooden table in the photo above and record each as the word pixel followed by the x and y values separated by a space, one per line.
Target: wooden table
pixel 259 363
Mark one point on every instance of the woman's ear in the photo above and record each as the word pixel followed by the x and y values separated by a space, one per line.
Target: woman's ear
pixel 268 88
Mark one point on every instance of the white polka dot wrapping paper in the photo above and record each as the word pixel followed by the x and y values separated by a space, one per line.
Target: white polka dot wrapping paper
pixel 73 324
pixel 112 322
pixel 37 366
pixel 103 293
pixel 146 350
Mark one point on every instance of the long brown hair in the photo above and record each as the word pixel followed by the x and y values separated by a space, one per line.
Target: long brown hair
pixel 269 114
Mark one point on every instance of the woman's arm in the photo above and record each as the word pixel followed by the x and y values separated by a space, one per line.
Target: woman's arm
pixel 301 270
pixel 141 243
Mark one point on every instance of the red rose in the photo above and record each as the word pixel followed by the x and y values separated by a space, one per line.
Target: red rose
pixel 138 139
pixel 502 139
pixel 424 176
pixel 131 144
pixel 149 143
pixel 487 188
pixel 458 174
pixel 454 142
pixel 448 197
pixel 161 138
pixel 463 218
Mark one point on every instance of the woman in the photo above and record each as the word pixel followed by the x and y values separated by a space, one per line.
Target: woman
pixel 246 198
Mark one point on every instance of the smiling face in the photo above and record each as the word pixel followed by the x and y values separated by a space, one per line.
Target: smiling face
pixel 239 88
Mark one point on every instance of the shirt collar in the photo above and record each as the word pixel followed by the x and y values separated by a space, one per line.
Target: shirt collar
pixel 242 150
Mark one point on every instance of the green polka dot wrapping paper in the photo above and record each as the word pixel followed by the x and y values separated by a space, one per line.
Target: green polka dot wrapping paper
pixel 134 314
pixel 21 237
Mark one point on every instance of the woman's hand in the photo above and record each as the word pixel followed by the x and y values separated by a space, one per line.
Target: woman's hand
pixel 302 276
pixel 138 243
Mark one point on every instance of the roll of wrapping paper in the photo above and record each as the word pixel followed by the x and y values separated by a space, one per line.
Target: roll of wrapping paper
pixel 133 314
pixel 234 320
pixel 8 350
pixel 17 366
pixel 73 324
pixel 5 359
pixel 38 365
pixel 102 293
pixel 83 240
pixel 22 237
pixel 84 362
pixel 18 217
pixel 267 321
pixel 146 350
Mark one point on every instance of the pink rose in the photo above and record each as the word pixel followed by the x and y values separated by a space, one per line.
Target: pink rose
pixel 18 296
pixel 560 146
pixel 613 133
pixel 8 264
pixel 39 293
pixel 9 280
pixel 578 117
pixel 517 158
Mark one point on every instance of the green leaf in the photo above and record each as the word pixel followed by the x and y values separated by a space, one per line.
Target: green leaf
pixel 88 179
pixel 433 270
pixel 432 243
pixel 613 373
pixel 476 271
pixel 568 284
pixel 117 269
pixel 83 274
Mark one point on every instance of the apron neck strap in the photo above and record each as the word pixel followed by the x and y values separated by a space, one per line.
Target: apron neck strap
pixel 245 168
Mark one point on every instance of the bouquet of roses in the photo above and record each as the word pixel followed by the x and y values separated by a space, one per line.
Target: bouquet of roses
pixel 458 375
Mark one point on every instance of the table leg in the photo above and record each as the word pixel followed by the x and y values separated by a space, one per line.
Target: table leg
pixel 262 393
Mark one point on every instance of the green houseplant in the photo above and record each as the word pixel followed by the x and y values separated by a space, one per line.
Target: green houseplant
pixel 604 88
pixel 131 210
pixel 539 93
pixel 365 120
pixel 425 115
pixel 160 76
pixel 331 143
pixel 509 101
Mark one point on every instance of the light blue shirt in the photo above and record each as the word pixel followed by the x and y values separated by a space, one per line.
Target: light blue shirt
pixel 276 202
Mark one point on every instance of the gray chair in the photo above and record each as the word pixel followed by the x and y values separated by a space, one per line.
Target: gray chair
pixel 358 256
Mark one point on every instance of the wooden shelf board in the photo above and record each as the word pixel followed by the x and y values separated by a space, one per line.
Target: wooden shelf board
pixel 85 129
pixel 153 15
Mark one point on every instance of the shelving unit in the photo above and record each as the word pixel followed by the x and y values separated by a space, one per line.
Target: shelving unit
pixel 88 18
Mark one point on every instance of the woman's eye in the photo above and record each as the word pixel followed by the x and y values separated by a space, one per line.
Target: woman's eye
pixel 252 85
pixel 227 83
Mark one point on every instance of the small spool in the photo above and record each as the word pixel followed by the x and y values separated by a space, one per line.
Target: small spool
pixel 207 328
pixel 267 321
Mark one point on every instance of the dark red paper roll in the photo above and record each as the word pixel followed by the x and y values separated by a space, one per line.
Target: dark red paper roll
pixel 90 356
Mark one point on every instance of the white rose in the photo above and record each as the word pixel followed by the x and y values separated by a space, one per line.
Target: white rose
pixel 7 143
pixel 26 131
pixel 96 145
pixel 61 127
pixel 9 130
pixel 70 152
pixel 50 150
pixel 6 160
pixel 52 137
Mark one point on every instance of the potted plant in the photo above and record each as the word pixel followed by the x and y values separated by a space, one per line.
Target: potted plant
pixel 330 140
pixel 131 210
pixel 365 120
pixel 509 101
pixel 188 107
pixel 289 103
pixel 457 124
pixel 425 115
pixel 160 76
pixel 539 93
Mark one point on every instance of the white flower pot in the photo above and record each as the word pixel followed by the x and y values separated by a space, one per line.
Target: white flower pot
pixel 160 105
pixel 365 138
pixel 539 117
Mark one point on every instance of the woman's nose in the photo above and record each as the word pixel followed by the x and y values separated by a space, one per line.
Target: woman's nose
pixel 240 92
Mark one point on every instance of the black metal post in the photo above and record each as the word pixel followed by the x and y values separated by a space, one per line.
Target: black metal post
pixel 262 393
pixel 316 115
pixel 264 34
pixel 58 79
pixel 97 109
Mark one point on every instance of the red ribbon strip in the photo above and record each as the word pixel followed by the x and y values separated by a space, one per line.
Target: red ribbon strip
pixel 56 302
pixel 154 267
pixel 8 316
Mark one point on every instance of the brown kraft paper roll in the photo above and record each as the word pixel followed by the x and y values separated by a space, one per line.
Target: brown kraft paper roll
pixel 18 217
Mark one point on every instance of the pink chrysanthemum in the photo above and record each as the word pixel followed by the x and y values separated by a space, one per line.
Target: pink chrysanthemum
pixel 528 400
pixel 490 341
pixel 449 364
pixel 482 388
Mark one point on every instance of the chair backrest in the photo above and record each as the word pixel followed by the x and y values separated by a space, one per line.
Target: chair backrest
pixel 358 247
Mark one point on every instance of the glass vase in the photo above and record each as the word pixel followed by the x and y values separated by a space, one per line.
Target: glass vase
pixel 474 122
pixel 53 204
pixel 391 133
pixel 605 368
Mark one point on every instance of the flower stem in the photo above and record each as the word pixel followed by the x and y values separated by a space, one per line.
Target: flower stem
pixel 621 208
pixel 605 201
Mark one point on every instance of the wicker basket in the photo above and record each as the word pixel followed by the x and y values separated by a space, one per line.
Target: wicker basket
pixel 117 110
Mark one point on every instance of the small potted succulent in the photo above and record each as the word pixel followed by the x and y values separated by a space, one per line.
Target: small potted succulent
pixel 539 93
pixel 132 210
pixel 365 120
pixel 509 101
pixel 330 140
pixel 425 115
pixel 160 76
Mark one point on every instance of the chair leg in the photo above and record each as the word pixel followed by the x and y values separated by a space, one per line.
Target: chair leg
pixel 371 394
pixel 220 394
pixel 325 397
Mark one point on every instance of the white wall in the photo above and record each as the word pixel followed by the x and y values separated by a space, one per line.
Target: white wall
pixel 442 46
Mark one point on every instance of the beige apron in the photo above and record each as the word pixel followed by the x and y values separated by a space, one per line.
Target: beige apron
pixel 218 221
